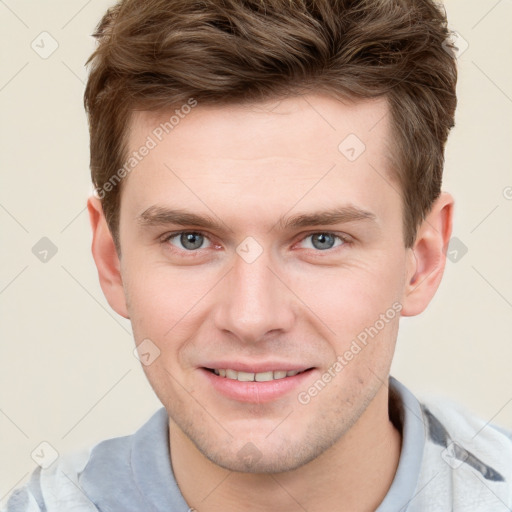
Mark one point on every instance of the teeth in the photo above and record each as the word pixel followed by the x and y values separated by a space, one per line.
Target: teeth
pixel 264 376
pixel 251 377
pixel 231 374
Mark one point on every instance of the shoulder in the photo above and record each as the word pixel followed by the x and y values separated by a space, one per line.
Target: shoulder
pixel 449 423
pixel 467 460
pixel 53 488
pixel 81 480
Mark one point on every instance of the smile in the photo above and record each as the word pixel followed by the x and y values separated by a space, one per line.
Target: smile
pixel 254 377
pixel 256 382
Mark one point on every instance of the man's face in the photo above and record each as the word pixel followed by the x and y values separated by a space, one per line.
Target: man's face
pixel 265 288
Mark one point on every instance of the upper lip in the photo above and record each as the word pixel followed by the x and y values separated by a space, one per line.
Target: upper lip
pixel 260 367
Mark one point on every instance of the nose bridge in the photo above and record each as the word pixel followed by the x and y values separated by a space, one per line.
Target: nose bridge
pixel 253 301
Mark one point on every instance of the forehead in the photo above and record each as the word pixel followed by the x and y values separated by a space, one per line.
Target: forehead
pixel 254 130
pixel 313 147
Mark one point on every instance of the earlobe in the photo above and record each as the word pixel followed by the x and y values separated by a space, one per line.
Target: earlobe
pixel 106 258
pixel 429 255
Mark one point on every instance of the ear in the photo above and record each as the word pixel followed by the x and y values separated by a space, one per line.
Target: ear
pixel 106 258
pixel 428 256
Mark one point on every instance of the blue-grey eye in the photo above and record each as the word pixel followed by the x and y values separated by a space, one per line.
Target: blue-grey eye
pixel 323 241
pixel 189 240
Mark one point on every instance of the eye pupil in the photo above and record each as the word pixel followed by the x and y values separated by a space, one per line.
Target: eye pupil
pixel 322 241
pixel 191 240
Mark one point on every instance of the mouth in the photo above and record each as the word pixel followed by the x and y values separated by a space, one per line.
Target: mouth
pixel 266 376
pixel 257 387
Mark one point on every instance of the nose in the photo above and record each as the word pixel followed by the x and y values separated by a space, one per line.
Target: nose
pixel 253 301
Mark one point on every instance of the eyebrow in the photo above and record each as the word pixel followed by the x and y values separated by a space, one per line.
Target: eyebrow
pixel 338 215
pixel 160 216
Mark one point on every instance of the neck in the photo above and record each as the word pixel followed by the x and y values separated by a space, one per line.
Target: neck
pixel 353 474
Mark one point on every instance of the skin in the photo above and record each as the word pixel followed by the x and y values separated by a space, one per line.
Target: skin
pixel 247 166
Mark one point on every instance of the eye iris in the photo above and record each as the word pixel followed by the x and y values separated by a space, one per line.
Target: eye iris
pixel 191 240
pixel 322 241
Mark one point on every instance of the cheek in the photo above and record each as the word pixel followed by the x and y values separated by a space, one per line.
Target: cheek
pixel 166 303
pixel 348 299
pixel 152 309
pixel 149 285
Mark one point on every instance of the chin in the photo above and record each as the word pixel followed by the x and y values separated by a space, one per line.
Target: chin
pixel 249 459
pixel 278 455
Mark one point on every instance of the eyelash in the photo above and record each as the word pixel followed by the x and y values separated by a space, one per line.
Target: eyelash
pixel 345 239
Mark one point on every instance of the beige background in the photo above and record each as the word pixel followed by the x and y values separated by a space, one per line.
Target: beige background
pixel 68 374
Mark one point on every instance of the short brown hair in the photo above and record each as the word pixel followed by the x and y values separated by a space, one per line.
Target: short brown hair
pixel 155 54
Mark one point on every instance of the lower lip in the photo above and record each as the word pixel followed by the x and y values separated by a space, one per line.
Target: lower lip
pixel 255 392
